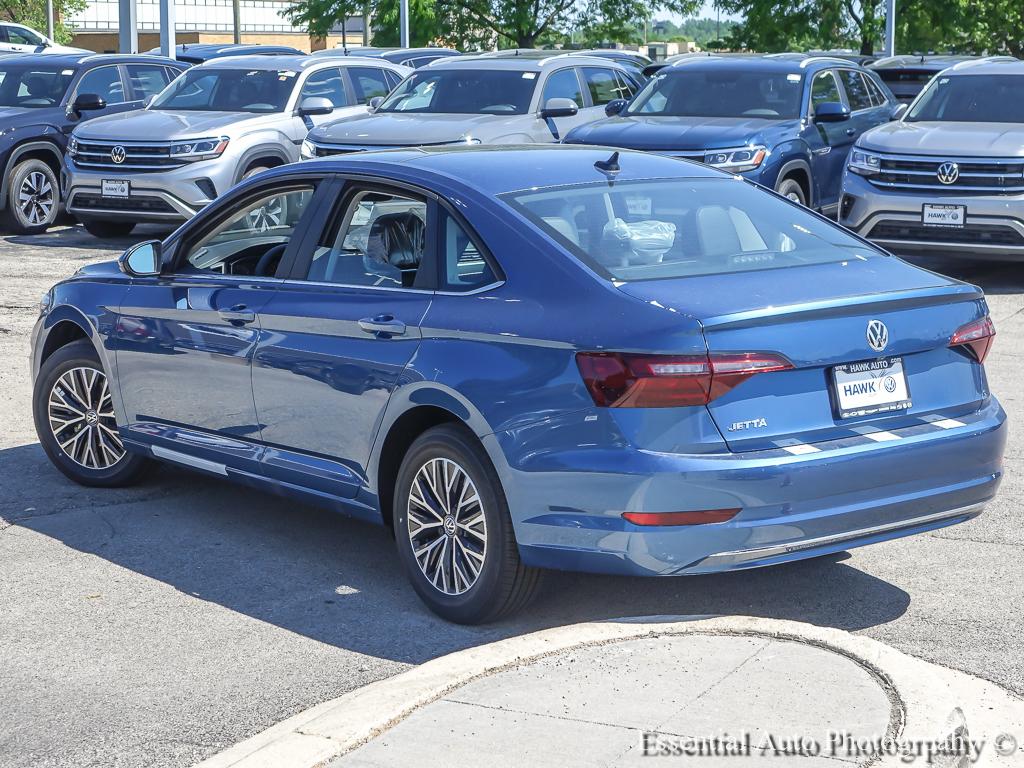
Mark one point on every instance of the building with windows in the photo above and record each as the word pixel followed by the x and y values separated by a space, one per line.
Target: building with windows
pixel 205 21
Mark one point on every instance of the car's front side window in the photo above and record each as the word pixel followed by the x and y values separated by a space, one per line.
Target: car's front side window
pixel 369 83
pixel 326 84
pixel 251 239
pixel 379 240
pixel 564 84
pixel 824 90
pixel 104 82
pixel 23 36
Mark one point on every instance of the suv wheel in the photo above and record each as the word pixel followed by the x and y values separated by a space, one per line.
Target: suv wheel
pixel 454 532
pixel 33 199
pixel 105 229
pixel 791 190
pixel 74 417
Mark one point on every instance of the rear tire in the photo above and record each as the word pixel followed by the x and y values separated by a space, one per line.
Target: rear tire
pixel 74 417
pixel 458 547
pixel 791 190
pixel 107 229
pixel 33 199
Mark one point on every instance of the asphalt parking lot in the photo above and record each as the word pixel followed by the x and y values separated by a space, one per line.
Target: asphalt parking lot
pixel 159 624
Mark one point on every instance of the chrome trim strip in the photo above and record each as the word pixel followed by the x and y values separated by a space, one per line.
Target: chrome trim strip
pixel 947 158
pixel 946 187
pixel 758 553
pixel 190 461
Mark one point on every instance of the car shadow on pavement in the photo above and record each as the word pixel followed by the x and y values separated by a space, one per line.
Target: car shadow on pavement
pixel 338 581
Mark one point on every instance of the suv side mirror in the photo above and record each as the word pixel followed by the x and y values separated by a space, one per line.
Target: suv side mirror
pixel 142 260
pixel 315 105
pixel 375 102
pixel 88 102
pixel 899 110
pixel 559 108
pixel 831 112
pixel 615 107
pixel 148 100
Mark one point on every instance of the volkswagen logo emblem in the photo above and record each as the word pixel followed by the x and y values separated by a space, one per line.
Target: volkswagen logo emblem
pixel 117 154
pixel 948 173
pixel 878 335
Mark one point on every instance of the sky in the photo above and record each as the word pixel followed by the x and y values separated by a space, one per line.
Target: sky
pixel 708 12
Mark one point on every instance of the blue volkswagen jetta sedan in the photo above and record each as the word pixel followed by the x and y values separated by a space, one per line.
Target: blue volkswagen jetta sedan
pixel 533 358
pixel 786 121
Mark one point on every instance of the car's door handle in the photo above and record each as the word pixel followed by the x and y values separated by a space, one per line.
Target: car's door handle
pixel 851 131
pixel 383 324
pixel 237 315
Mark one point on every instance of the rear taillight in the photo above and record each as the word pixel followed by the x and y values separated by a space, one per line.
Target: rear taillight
pixel 976 337
pixel 623 380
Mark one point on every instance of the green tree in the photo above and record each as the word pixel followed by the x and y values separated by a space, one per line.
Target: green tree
pixel 321 16
pixel 32 13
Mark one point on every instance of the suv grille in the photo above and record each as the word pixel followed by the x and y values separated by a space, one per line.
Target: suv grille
pixel 983 175
pixel 327 150
pixel 980 234
pixel 99 155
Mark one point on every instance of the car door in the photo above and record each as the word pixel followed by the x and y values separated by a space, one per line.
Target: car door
pixel 830 142
pixel 108 82
pixel 339 334
pixel 560 84
pixel 327 83
pixel 185 340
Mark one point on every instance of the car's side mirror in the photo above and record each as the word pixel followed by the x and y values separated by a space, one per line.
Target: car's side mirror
pixel 831 112
pixel 142 260
pixel 148 100
pixel 375 102
pixel 88 102
pixel 315 105
pixel 616 107
pixel 899 111
pixel 559 108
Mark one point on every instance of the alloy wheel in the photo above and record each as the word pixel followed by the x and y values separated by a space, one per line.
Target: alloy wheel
pixel 447 527
pixel 267 216
pixel 81 414
pixel 36 198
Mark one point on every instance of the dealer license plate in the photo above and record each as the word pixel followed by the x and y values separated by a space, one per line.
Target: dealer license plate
pixel 115 188
pixel 871 386
pixel 943 215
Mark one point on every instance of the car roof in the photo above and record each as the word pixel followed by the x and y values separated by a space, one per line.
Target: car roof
pixel 272 63
pixel 227 48
pixel 497 169
pixel 529 63
pixel 992 65
pixel 791 63
pixel 919 61
pixel 76 59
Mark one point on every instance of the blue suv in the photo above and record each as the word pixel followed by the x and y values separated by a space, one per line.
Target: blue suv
pixel 785 121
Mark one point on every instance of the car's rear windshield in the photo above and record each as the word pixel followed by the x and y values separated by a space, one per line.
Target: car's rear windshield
pixel 971 99
pixel 721 93
pixel 228 90
pixel 463 92
pixel 38 87
pixel 669 228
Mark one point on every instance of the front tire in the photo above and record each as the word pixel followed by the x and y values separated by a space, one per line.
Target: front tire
pixel 108 229
pixel 791 190
pixel 454 531
pixel 74 417
pixel 33 199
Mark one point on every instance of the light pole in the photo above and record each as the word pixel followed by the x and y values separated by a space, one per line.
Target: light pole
pixel 127 26
pixel 403 12
pixel 168 43
pixel 236 15
pixel 890 27
pixel 49 19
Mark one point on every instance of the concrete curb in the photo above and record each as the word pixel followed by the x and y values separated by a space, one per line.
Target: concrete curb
pixel 930 702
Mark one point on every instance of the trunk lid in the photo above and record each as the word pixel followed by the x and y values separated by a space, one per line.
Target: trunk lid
pixel 817 317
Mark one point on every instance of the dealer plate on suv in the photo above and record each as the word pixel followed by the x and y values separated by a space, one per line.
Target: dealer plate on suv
pixel 871 386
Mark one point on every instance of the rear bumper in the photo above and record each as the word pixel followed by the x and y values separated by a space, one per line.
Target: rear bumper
pixel 892 218
pixel 845 494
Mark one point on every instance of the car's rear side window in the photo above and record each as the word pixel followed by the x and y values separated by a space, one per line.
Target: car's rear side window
pixel 856 90
pixel 465 267
pixel 668 228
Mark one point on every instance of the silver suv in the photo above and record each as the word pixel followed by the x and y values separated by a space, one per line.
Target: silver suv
pixel 216 124
pixel 482 100
pixel 947 178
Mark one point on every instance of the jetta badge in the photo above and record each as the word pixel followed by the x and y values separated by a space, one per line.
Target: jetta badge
pixel 878 335
pixel 117 154
pixel 948 173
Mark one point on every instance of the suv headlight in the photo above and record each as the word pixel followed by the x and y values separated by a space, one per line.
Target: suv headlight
pixel 308 150
pixel 72 146
pixel 736 160
pixel 199 149
pixel 864 163
pixel 46 302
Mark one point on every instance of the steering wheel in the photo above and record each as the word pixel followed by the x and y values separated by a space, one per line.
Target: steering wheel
pixel 269 258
